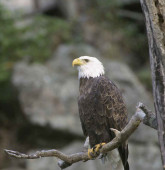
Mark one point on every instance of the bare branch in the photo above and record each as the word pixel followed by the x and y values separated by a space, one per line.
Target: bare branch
pixel 150 118
pixel 115 131
pixel 67 160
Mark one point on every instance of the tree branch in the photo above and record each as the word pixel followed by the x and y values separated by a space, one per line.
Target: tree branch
pixel 150 118
pixel 67 160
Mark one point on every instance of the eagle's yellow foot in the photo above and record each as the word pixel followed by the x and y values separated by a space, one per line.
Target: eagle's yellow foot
pixel 95 151
pixel 98 147
pixel 90 153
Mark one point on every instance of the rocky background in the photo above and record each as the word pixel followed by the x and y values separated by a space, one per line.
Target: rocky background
pixel 39 88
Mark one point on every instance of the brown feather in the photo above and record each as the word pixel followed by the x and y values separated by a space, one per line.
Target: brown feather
pixel 101 107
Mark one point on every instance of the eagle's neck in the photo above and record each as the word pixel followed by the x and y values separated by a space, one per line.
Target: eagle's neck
pixel 86 83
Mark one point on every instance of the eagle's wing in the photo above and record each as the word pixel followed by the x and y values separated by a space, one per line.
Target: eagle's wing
pixel 114 109
pixel 101 107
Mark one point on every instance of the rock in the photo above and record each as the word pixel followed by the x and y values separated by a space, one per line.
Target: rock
pixel 29 6
pixel 146 157
pixel 25 6
pixel 48 93
pixel 48 96
pixel 68 9
pixel 13 168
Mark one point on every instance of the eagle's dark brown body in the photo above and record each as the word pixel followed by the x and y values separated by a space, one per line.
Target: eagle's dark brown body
pixel 101 107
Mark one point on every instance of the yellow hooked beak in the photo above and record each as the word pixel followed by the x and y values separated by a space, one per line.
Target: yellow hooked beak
pixel 77 62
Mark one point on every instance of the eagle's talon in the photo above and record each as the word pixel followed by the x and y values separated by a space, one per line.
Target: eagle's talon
pixel 98 147
pixel 91 153
pixel 95 151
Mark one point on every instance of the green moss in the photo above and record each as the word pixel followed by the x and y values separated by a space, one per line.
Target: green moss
pixel 132 40
pixel 36 39
pixel 144 76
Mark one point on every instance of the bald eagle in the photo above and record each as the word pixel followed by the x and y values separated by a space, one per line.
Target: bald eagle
pixel 101 107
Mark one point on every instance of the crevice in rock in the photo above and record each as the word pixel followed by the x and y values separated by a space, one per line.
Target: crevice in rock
pixel 54 11
pixel 33 136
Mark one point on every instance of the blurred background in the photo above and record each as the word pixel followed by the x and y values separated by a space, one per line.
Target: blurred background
pixel 39 88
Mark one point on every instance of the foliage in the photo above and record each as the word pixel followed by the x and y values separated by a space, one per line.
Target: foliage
pixel 144 76
pixel 35 39
pixel 103 11
pixel 134 41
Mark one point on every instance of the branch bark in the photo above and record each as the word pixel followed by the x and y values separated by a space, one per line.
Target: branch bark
pixel 68 160
pixel 154 12
pixel 150 118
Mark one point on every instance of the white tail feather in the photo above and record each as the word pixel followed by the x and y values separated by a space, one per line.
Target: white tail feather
pixel 115 160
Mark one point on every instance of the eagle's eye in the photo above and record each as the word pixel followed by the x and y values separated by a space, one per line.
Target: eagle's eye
pixel 86 60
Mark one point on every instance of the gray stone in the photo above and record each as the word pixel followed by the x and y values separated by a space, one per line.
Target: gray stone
pixel 27 7
pixel 70 9
pixel 13 168
pixel 47 97
pixel 145 157
pixel 48 93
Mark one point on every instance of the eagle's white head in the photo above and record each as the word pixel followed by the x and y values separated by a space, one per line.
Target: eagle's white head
pixel 88 67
